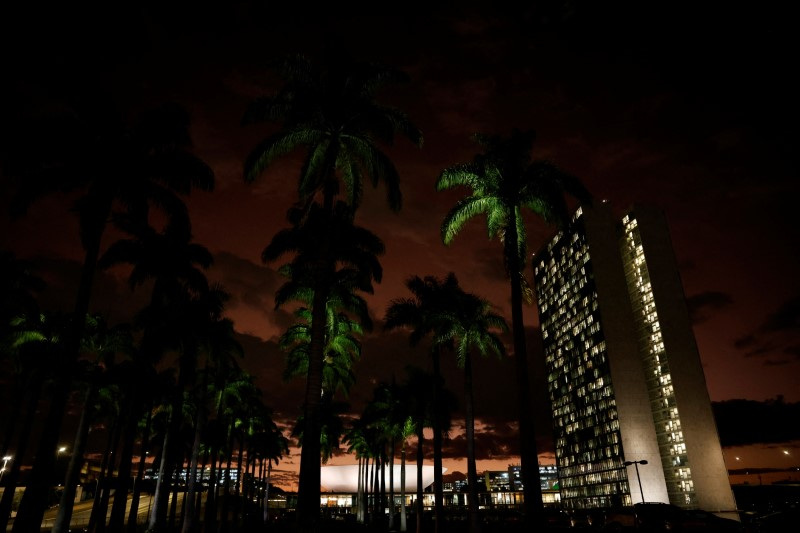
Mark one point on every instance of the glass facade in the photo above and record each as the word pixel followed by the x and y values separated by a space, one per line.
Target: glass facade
pixel 672 445
pixel 589 452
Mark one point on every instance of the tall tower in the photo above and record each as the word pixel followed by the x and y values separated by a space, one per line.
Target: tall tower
pixel 623 373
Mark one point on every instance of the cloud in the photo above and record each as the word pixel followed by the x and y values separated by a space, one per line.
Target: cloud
pixel 742 422
pixel 743 342
pixel 786 318
pixel 112 296
pixel 252 288
pixel 702 306
pixel 777 338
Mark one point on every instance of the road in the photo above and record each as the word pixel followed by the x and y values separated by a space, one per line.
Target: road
pixel 81 512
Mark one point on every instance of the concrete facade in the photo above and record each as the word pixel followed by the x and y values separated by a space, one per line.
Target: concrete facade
pixel 624 375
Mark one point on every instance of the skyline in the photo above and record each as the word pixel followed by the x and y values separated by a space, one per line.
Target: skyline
pixel 698 126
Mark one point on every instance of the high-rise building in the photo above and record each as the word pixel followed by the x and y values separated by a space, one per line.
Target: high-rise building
pixel 631 411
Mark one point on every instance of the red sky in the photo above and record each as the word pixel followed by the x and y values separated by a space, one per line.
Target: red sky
pixel 691 110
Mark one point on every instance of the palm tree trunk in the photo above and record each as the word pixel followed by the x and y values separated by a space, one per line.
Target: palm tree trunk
pixel 189 518
pixel 266 493
pixel 158 514
pixel 34 500
pixel 403 524
pixel 438 483
pixel 191 484
pixel 529 460
pixel 227 490
pixel 10 478
pixel 169 460
pixel 420 507
pixel 173 509
pixel 391 484
pixel 376 489
pixel 123 480
pixel 360 491
pixel 97 518
pixel 64 516
pixel 382 508
pixel 239 482
pixel 310 459
pixel 198 500
pixel 472 472
pixel 137 485
pixel 211 499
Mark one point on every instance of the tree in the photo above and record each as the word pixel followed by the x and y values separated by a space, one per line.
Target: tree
pixel 342 349
pixel 183 312
pixel 428 313
pixel 418 389
pixel 33 344
pixel 389 414
pixel 322 244
pixel 473 328
pixel 112 165
pixel 103 343
pixel 356 438
pixel 332 113
pixel 503 180
pixel 18 311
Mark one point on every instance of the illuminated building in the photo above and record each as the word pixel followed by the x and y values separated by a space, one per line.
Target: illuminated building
pixel 624 376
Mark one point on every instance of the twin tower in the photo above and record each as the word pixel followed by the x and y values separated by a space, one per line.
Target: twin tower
pixel 631 411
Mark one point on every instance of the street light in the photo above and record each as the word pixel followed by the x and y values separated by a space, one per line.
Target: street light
pixel 638 479
pixel 6 459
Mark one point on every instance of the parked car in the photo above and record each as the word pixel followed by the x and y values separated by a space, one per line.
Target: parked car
pixel 667 517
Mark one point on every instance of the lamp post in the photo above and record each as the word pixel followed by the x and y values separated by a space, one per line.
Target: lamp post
pixel 6 459
pixel 638 479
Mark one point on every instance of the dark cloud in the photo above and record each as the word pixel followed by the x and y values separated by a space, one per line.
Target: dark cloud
pixel 794 351
pixel 266 362
pixel 743 342
pixel 786 318
pixel 703 305
pixel 250 284
pixel 776 339
pixel 743 422
pixel 112 297
pixel 488 261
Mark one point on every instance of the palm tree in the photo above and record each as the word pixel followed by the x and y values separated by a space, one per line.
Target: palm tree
pixel 333 115
pixel 215 338
pixel 503 180
pixel 245 417
pixel 342 349
pixel 322 244
pixel 331 426
pixel 276 445
pixel 473 327
pixel 389 409
pixel 228 383
pixel 18 306
pixel 356 438
pixel 420 387
pixel 33 344
pixel 183 310
pixel 428 313
pixel 405 432
pixel 104 344
pixel 111 164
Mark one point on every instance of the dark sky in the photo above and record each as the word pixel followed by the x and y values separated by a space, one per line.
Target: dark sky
pixel 688 107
